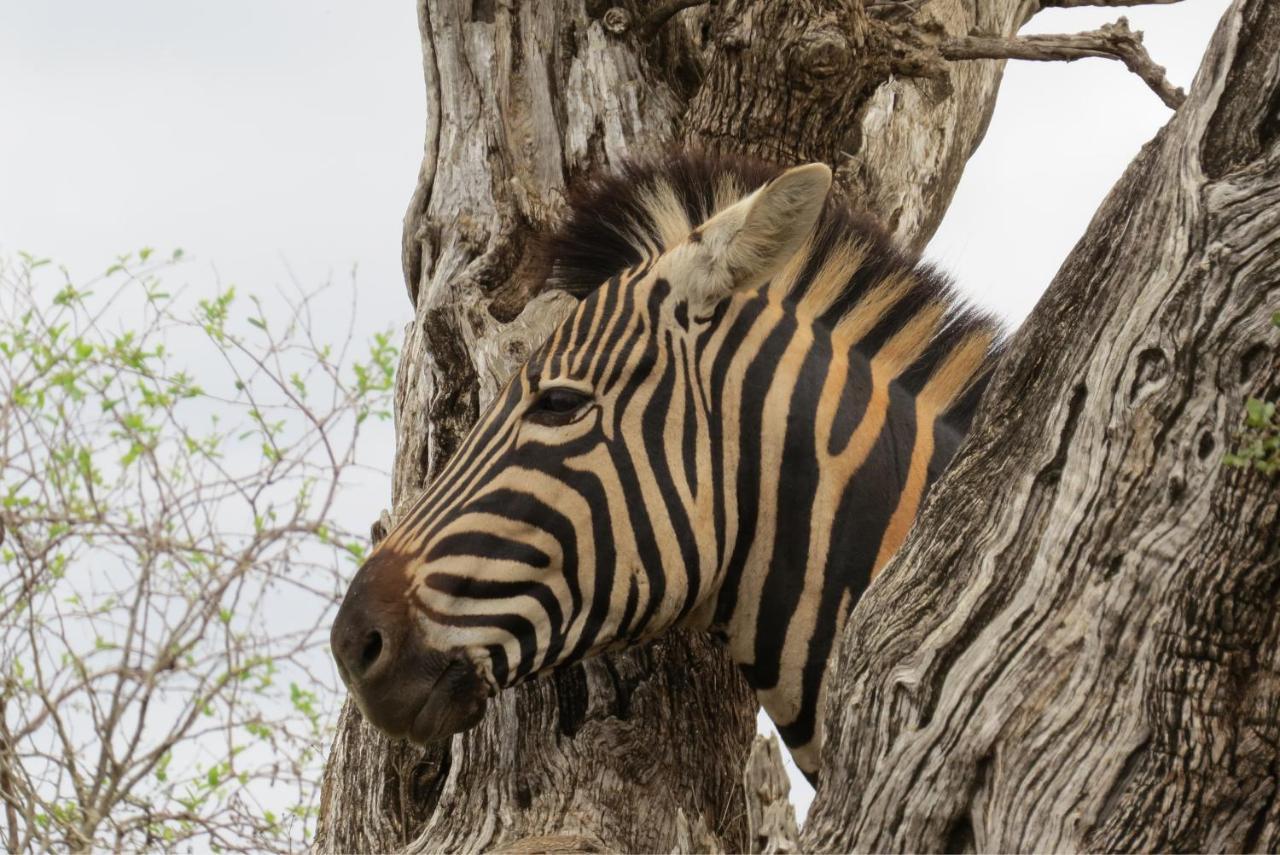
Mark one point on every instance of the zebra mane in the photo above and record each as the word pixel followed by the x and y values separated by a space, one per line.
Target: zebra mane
pixel 849 277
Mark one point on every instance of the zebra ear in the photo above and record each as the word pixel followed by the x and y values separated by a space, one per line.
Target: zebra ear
pixel 744 245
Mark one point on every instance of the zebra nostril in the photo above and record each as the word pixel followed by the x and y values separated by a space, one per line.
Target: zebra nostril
pixel 371 651
pixel 360 646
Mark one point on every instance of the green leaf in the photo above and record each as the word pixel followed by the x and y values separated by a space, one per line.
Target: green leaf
pixel 1258 413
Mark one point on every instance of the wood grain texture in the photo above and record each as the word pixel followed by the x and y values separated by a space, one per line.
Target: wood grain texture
pixel 771 820
pixel 820 80
pixel 1078 648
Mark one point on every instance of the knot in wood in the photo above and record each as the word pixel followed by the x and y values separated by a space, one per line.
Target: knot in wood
pixel 616 21
pixel 732 34
pixel 821 54
pixel 517 350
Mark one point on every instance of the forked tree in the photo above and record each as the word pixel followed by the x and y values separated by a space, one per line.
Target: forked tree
pixel 1077 646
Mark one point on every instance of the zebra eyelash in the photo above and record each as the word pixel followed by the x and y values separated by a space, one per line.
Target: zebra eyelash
pixel 558 405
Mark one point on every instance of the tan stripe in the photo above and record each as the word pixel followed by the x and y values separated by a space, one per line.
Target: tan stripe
pixel 868 311
pixel 832 279
pixel 851 457
pixel 632 425
pixel 727 410
pixel 908 343
pixel 777 399
pixel 785 280
pixel 586 351
pixel 597 352
pixel 950 380
pixel 946 384
pixel 599 463
pixel 904 515
pixel 835 473
pixel 807 756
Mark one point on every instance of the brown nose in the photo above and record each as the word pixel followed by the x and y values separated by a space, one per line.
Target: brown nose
pixel 360 644
pixel 372 621
pixel 402 686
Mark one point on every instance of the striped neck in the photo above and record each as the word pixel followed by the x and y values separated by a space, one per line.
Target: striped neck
pixel 820 460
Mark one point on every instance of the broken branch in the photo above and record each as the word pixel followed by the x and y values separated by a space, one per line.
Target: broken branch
pixel 1111 41
pixel 1077 4
pixel 653 22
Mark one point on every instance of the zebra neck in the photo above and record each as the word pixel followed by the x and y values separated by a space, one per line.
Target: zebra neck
pixel 829 469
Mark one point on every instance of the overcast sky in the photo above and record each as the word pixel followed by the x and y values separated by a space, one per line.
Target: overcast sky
pixel 268 136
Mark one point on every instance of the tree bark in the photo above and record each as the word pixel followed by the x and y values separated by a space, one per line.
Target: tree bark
pixel 1087 656
pixel 642 751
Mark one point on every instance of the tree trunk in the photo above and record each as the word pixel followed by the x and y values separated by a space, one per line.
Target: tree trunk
pixel 642 751
pixel 1087 656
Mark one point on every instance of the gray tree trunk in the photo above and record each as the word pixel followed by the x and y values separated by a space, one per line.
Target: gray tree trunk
pixel 645 751
pixel 1088 655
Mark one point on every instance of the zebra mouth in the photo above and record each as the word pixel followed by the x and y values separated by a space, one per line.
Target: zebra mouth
pixel 455 702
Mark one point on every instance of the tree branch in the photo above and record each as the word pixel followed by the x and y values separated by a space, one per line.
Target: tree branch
pixel 662 13
pixel 1078 4
pixel 7 791
pixel 1111 41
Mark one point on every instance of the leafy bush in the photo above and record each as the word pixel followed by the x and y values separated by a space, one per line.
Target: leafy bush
pixel 172 470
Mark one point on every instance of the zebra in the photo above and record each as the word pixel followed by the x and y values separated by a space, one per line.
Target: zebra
pixel 734 431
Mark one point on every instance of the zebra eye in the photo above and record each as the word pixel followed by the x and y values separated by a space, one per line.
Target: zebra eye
pixel 558 405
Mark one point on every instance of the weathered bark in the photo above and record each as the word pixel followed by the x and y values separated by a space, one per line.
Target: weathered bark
pixel 800 81
pixel 642 751
pixel 1079 646
pixel 771 819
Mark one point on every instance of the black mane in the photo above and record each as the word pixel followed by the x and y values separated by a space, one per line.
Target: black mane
pixel 610 225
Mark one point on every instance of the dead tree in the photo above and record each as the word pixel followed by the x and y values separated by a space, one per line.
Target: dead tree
pixel 1089 656
pixel 645 751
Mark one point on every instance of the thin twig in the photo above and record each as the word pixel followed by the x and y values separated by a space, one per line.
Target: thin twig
pixel 1077 4
pixel 7 791
pixel 1111 41
pixel 892 10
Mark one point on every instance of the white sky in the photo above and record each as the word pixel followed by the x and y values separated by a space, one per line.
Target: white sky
pixel 269 136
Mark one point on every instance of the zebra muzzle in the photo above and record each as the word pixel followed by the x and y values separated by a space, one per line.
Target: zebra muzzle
pixel 423 695
pixel 402 686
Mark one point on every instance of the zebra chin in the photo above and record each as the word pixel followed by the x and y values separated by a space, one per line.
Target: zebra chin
pixel 403 687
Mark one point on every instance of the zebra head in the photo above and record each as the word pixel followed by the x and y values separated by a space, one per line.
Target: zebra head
pixel 580 514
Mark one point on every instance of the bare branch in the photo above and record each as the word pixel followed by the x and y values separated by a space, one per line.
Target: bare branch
pixel 662 13
pixel 1078 4
pixel 7 793
pixel 1111 41
pixel 892 10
